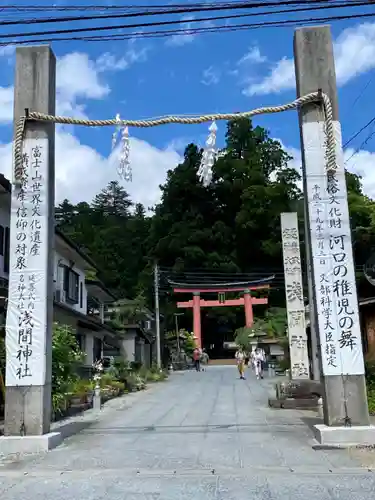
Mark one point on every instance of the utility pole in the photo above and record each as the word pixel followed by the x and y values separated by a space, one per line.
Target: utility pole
pixel 30 312
pixel 177 334
pixel 330 248
pixel 176 315
pixel 157 315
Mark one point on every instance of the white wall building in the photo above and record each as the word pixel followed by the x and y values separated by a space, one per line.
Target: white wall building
pixel 137 338
pixel 74 294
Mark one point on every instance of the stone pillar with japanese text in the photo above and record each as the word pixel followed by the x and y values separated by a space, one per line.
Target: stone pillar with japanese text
pixel 298 349
pixel 329 237
pixel 30 305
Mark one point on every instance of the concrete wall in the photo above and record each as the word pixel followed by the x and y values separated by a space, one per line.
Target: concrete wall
pixel 139 350
pixel 128 347
pixel 65 318
pixel 147 355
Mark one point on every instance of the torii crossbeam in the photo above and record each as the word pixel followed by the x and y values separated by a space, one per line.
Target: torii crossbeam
pixel 221 288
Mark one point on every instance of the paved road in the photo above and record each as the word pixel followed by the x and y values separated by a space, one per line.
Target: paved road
pixel 198 436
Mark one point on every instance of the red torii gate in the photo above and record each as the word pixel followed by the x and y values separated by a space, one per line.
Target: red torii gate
pixel 196 303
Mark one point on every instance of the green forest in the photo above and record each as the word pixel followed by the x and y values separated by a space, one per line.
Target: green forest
pixel 228 229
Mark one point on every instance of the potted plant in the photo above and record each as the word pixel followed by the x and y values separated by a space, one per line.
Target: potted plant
pixel 80 391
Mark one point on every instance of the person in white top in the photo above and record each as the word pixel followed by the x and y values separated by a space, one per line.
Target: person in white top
pixel 241 358
pixel 259 359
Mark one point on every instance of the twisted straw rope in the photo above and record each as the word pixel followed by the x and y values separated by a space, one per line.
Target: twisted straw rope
pixel 317 97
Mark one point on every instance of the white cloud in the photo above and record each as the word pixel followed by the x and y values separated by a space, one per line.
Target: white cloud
pixel 67 107
pixel 178 144
pixel 78 78
pixel 7 51
pixel 109 62
pixel 6 104
pixel 182 39
pixel 252 56
pixel 354 55
pixel 211 76
pixel 361 163
pixel 355 52
pixel 280 78
pixel 76 161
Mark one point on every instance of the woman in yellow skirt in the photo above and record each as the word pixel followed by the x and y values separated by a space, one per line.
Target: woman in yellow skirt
pixel 241 358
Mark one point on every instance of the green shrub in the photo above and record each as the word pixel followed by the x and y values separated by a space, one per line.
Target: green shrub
pixel 81 387
pixel 122 369
pixel 156 377
pixel 118 385
pixel 134 382
pixel 152 374
pixel 370 373
pixel 58 403
pixel 107 380
pixel 284 364
pixel 66 357
pixel 371 401
pixel 135 366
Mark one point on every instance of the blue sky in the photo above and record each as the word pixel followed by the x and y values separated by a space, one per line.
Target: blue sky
pixel 189 74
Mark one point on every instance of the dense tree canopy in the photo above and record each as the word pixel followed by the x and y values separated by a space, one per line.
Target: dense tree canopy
pixel 113 234
pixel 232 226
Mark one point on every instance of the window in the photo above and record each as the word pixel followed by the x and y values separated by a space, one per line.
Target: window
pixel 71 285
pixel 81 295
pixel 98 348
pixel 81 341
pixel 6 249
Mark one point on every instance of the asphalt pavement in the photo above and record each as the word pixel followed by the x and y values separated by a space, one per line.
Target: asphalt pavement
pixel 196 436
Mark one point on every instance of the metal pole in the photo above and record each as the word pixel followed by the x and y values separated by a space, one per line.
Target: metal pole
pixel 157 315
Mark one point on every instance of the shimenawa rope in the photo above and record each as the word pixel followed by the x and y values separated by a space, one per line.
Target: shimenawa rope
pixel 318 97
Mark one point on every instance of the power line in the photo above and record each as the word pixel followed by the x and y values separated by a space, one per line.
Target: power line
pixel 163 33
pixel 187 276
pixel 370 135
pixel 362 91
pixel 106 7
pixel 186 10
pixel 236 275
pixel 342 4
pixel 359 132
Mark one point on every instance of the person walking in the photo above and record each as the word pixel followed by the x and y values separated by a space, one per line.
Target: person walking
pixel 204 359
pixel 259 359
pixel 240 358
pixel 197 359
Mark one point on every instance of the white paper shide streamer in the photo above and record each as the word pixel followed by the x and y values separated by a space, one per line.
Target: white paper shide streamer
pixel 124 168
pixel 208 157
pixel 116 132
